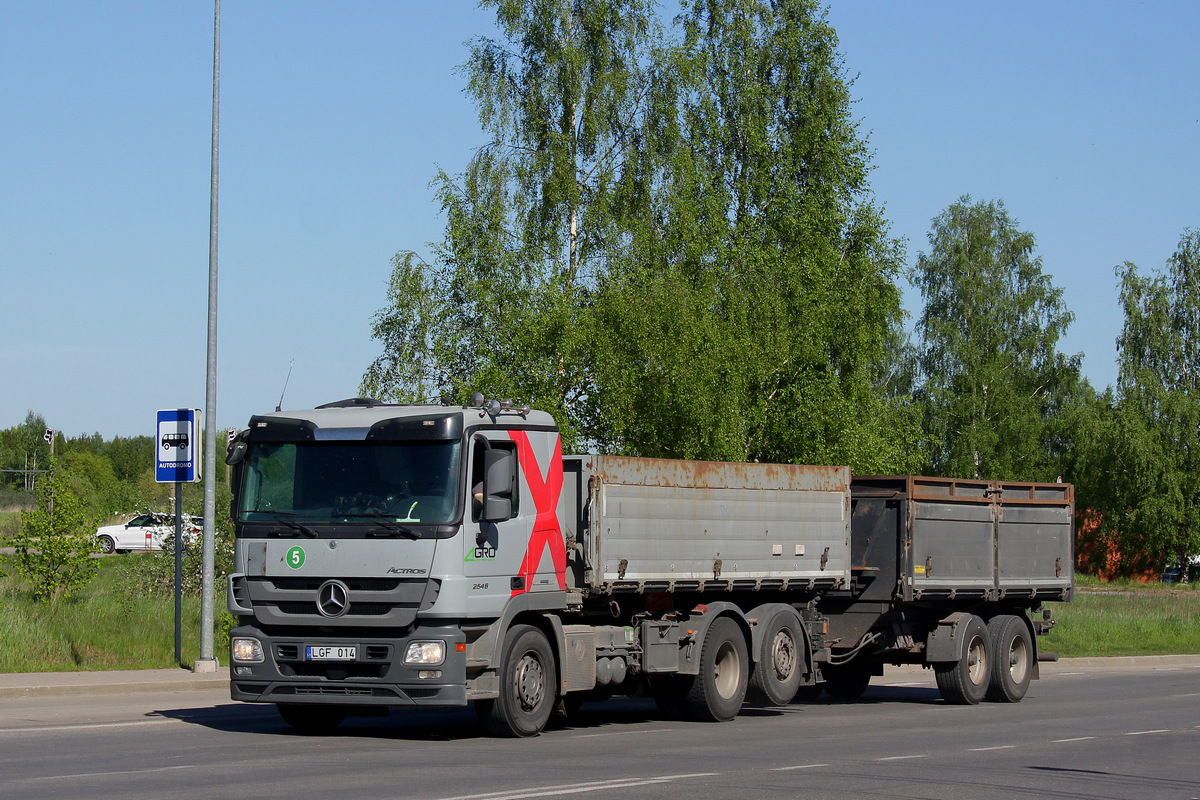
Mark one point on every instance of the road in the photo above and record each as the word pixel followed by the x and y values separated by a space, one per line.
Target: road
pixel 1084 731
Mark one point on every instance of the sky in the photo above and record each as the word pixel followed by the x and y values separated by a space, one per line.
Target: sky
pixel 1083 117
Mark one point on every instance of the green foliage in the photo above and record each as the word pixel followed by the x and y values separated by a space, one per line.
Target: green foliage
pixel 1150 501
pixel 993 377
pixel 751 315
pixel 23 448
pixel 668 245
pixel 53 547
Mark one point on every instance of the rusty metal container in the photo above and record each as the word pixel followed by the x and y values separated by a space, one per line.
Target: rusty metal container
pixel 658 525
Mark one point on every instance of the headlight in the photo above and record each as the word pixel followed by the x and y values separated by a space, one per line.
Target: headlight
pixel 429 653
pixel 246 650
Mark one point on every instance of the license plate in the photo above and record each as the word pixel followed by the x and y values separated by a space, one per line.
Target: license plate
pixel 330 652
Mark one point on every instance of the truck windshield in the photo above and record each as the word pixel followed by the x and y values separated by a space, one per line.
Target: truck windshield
pixel 314 482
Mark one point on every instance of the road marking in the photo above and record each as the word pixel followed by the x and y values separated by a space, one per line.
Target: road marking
pixel 114 772
pixel 899 758
pixel 577 788
pixel 619 733
pixel 798 766
pixel 910 683
pixel 1076 739
pixel 986 749
pixel 1192 694
pixel 90 726
pixel 1147 733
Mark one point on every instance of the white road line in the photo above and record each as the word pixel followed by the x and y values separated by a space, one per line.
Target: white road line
pixel 90 726
pixel 1192 694
pixel 1076 739
pixel 620 733
pixel 577 788
pixel 899 758
pixel 910 683
pixel 798 766
pixel 1147 733
pixel 114 772
pixel 986 749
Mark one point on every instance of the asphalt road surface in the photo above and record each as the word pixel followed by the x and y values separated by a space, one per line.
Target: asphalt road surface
pixel 1083 731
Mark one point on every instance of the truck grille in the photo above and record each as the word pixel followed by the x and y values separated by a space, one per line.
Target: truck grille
pixel 371 602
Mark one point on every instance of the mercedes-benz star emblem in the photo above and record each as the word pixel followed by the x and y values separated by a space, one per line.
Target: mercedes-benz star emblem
pixel 333 598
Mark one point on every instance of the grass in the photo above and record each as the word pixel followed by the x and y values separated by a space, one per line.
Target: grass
pixel 1126 619
pixel 101 628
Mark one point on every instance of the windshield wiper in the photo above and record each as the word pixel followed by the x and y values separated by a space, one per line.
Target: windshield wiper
pixel 391 525
pixel 291 521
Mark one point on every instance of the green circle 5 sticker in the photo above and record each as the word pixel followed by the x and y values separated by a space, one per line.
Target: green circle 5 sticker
pixel 295 557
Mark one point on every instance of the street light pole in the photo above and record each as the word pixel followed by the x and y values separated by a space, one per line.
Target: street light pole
pixel 207 662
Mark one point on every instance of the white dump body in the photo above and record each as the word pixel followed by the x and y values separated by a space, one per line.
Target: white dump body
pixel 655 525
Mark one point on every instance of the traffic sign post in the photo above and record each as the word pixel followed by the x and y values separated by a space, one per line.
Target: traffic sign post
pixel 177 460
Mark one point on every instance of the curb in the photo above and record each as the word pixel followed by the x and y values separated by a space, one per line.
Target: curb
pixel 69 684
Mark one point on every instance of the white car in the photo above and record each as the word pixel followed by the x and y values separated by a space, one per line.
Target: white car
pixel 144 532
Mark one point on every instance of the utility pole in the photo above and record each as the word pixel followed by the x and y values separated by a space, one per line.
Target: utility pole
pixel 207 662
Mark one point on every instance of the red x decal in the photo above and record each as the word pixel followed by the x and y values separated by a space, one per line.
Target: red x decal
pixel 546 530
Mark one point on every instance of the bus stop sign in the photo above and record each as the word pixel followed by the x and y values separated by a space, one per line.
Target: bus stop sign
pixel 177 446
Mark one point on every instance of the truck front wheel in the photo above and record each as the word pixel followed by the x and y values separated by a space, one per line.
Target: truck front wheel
pixel 1012 659
pixel 965 682
pixel 528 686
pixel 720 687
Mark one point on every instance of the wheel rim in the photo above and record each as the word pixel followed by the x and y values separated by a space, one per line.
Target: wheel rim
pixel 977 666
pixel 531 682
pixel 1018 660
pixel 783 655
pixel 727 670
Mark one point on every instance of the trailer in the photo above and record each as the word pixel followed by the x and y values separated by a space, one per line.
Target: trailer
pixel 391 556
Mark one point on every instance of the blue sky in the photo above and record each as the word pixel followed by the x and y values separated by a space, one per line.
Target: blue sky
pixel 1083 117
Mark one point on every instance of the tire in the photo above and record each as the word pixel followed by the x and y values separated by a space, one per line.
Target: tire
pixel 781 662
pixel 965 682
pixel 718 690
pixel 528 686
pixel 106 545
pixel 1012 659
pixel 311 719
pixel 847 681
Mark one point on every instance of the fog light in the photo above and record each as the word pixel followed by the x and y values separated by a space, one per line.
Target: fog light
pixel 431 653
pixel 430 673
pixel 246 650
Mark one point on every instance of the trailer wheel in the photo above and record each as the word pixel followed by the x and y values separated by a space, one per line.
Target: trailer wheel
pixel 720 687
pixel 311 719
pixel 780 663
pixel 528 686
pixel 1012 659
pixel 965 682
pixel 847 681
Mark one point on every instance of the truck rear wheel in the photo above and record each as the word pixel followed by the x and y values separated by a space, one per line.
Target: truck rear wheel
pixel 720 687
pixel 528 686
pixel 311 719
pixel 1012 659
pixel 780 663
pixel 965 682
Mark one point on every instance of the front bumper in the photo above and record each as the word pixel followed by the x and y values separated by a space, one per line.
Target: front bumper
pixel 377 676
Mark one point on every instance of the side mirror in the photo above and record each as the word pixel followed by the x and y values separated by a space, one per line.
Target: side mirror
pixel 499 484
pixel 237 451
